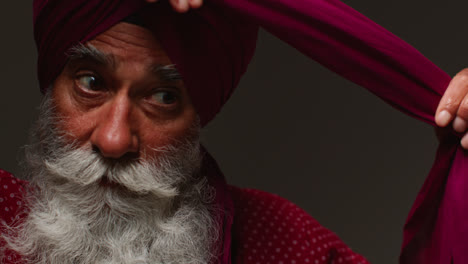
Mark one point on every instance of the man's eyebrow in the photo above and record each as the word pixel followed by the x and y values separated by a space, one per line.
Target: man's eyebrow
pixel 88 51
pixel 167 73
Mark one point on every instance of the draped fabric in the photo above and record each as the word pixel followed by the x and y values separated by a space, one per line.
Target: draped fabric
pixel 212 47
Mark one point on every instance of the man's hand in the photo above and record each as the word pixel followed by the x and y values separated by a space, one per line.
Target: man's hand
pixel 182 6
pixel 453 107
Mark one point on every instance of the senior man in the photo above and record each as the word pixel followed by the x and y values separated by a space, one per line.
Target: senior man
pixel 116 172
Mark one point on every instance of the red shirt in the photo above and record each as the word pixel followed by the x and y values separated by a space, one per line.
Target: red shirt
pixel 267 229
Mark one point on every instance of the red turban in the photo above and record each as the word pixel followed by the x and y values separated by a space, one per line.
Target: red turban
pixel 212 47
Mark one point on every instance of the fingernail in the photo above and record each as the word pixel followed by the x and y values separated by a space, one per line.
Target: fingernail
pixel 459 125
pixel 464 141
pixel 443 118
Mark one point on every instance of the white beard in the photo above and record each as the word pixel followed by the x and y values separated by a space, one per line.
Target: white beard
pixel 152 212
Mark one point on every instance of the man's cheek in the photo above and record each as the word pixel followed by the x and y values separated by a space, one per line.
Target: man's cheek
pixel 155 144
pixel 75 128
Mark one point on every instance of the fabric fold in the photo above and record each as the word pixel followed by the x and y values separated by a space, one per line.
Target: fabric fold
pixel 358 49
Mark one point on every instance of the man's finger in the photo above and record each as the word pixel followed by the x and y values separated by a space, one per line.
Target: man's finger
pixel 460 123
pixel 450 102
pixel 180 6
pixel 195 3
pixel 464 141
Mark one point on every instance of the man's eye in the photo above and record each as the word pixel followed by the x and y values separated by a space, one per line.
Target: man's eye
pixel 88 82
pixel 164 97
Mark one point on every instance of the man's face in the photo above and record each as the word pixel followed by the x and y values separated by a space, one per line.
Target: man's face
pixel 121 96
pixel 118 114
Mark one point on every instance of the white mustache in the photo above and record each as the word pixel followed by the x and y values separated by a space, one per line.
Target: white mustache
pixel 86 168
pixel 159 177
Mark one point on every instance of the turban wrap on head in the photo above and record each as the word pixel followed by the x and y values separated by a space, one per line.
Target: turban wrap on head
pixel 212 47
pixel 209 50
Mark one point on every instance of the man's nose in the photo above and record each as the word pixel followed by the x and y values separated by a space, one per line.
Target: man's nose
pixel 114 135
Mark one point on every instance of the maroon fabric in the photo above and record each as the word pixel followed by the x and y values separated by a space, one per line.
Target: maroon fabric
pixel 12 210
pixel 224 215
pixel 270 229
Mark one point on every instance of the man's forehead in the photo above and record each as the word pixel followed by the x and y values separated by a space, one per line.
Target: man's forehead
pixel 124 37
pixel 125 42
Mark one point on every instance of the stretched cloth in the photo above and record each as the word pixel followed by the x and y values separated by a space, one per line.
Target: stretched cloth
pixel 212 47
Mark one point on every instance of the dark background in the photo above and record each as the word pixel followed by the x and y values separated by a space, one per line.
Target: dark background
pixel 292 127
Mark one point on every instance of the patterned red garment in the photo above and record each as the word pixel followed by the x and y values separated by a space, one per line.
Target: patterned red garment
pixel 11 208
pixel 266 229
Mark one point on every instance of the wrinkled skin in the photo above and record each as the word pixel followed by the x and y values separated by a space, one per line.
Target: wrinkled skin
pixel 122 108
